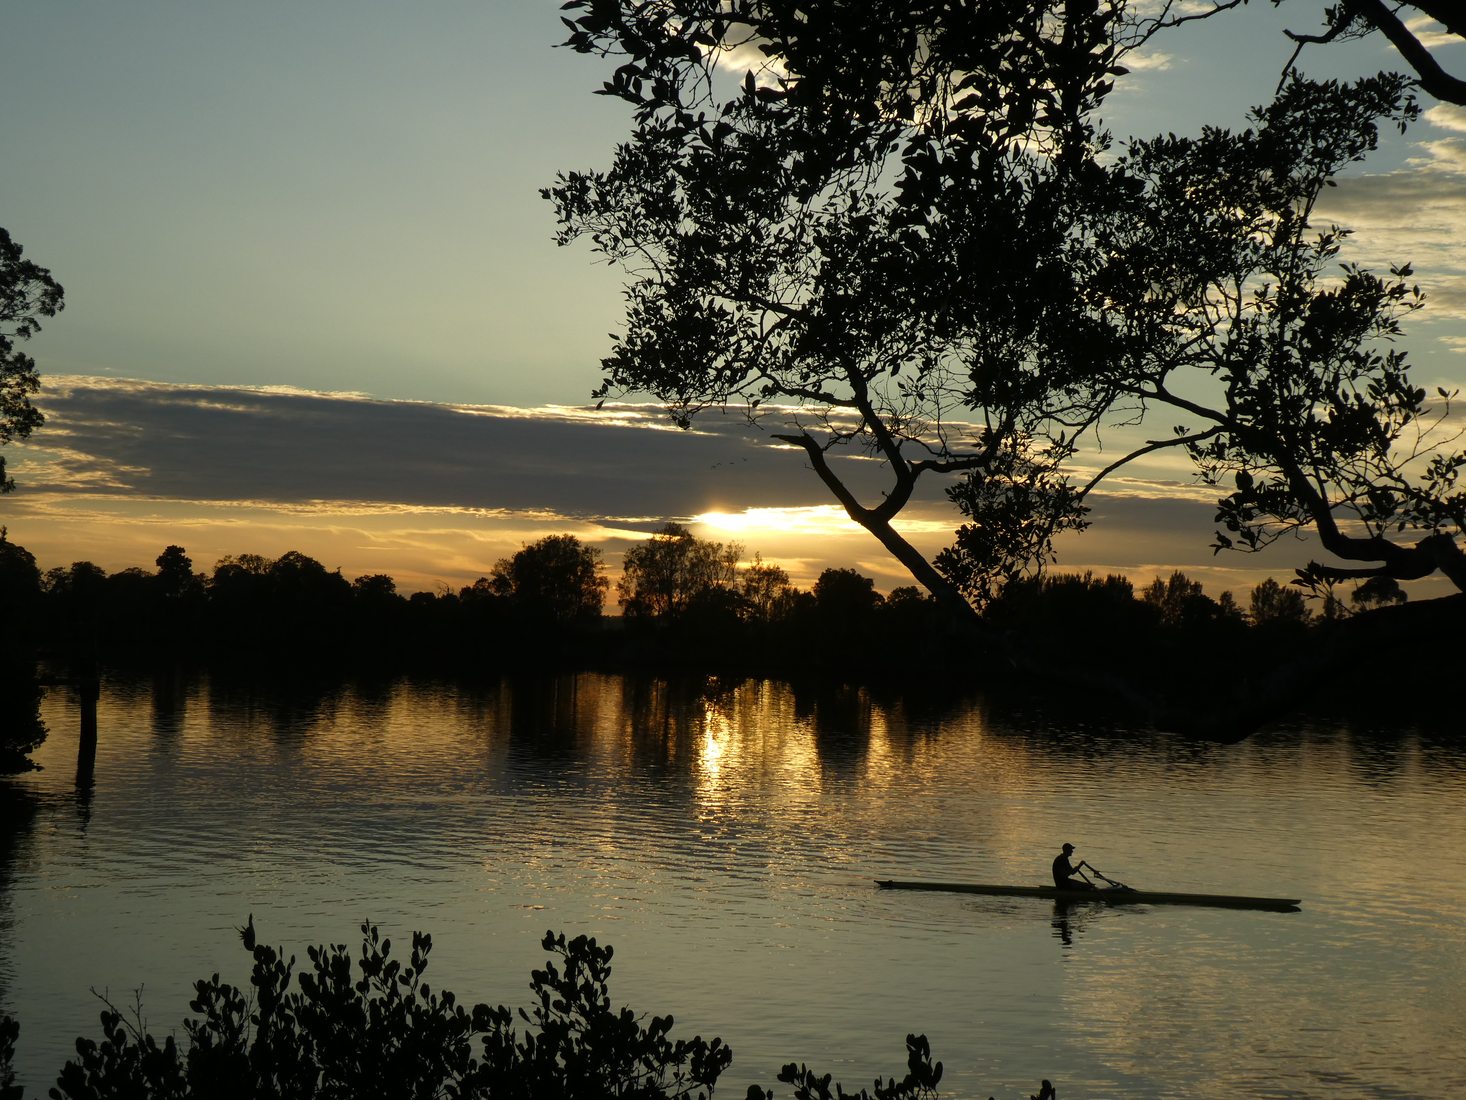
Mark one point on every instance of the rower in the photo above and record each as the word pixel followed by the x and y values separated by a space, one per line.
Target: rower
pixel 1065 873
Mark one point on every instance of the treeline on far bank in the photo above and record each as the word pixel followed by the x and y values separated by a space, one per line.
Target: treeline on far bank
pixel 684 601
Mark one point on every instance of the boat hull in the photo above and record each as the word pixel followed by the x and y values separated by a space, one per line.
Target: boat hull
pixel 1108 896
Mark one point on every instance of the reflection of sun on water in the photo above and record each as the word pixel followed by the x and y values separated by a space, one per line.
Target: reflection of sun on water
pixel 713 747
pixel 717 753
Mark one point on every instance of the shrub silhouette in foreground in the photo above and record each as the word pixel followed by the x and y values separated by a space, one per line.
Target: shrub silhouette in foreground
pixel 377 1029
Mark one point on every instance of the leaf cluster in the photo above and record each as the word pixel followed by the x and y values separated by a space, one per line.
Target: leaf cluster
pixel 919 1083
pixel 376 1028
pixel 27 293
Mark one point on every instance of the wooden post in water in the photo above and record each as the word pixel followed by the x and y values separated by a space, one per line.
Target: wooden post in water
pixel 88 689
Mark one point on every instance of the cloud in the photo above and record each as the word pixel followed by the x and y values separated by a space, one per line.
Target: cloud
pixel 1448 116
pixel 238 444
pixel 434 494
pixel 1430 33
pixel 1146 60
pixel 424 491
pixel 1416 214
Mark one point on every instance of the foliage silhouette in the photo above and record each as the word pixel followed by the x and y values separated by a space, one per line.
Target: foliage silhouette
pixel 1272 603
pixel 556 580
pixel 1220 300
pixel 904 217
pixel 21 728
pixel 674 573
pixel 377 1029
pixel 855 222
pixel 27 293
pixel 9 1032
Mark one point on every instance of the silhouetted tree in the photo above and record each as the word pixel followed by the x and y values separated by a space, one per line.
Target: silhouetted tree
pixel 75 598
pixel 292 603
pixel 1273 603
pixel 176 579
pixel 902 218
pixel 129 600
pixel 765 590
pixel 675 571
pixel 1112 626
pixel 375 590
pixel 557 579
pixel 845 601
pixel 21 728
pixel 866 211
pixel 1228 609
pixel 27 293
pixel 1378 592
pixel 20 590
pixel 482 602
pixel 238 599
pixel 309 604
pixel 1180 602
pixel 380 617
pixel 179 595
pixel 1218 278
pixel 467 625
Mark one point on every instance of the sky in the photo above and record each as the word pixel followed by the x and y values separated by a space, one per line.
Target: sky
pixel 313 301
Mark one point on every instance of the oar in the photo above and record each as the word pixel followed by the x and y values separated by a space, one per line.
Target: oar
pixel 1100 875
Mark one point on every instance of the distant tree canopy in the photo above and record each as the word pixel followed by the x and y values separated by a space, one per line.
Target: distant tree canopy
pixel 557 579
pixel 1378 592
pixel 696 606
pixel 1273 603
pixel 766 591
pixel 674 572
pixel 27 293
pixel 895 230
pixel 1178 600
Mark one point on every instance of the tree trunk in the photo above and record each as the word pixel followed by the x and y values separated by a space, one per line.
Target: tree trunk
pixel 963 615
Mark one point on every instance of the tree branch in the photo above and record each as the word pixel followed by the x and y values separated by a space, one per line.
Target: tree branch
pixel 1433 78
pixel 1153 445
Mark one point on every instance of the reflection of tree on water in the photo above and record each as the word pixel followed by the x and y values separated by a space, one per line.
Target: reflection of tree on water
pixel 288 707
pixel 549 714
pixel 21 728
pixel 17 820
pixel 169 704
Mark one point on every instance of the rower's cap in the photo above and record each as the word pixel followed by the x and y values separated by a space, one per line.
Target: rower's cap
pixel 1068 847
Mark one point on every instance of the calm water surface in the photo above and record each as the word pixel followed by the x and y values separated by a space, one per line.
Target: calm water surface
pixel 724 835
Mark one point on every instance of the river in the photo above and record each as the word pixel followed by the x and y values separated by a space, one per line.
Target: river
pixel 723 835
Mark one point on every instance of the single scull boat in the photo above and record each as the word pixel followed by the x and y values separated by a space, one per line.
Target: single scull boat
pixel 1115 895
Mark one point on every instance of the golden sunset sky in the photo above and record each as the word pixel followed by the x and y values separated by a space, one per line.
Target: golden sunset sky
pixel 313 302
